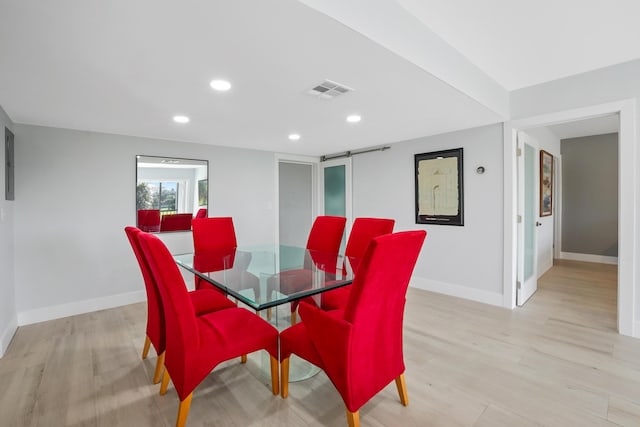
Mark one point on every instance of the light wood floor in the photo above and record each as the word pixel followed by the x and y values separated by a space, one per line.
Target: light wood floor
pixel 556 362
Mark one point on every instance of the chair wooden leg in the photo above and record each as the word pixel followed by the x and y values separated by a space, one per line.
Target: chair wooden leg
pixel 294 317
pixel 402 390
pixel 183 411
pixel 165 383
pixel 284 378
pixel 275 376
pixel 353 418
pixel 243 358
pixel 159 368
pixel 145 349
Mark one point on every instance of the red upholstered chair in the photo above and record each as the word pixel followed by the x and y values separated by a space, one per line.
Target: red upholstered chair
pixel 213 234
pixel 176 222
pixel 217 235
pixel 360 347
pixel 326 233
pixel 149 220
pixel 197 344
pixel 204 302
pixel 324 238
pixel 202 213
pixel 362 232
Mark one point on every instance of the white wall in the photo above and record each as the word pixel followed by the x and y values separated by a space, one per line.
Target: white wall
pixel 75 194
pixel 549 142
pixel 462 261
pixel 617 85
pixel 8 319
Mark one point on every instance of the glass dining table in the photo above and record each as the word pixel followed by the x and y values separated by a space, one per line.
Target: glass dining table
pixel 269 278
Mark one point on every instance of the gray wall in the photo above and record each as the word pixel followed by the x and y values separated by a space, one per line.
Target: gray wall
pixel 8 319
pixel 75 194
pixel 295 204
pixel 590 195
pixel 462 261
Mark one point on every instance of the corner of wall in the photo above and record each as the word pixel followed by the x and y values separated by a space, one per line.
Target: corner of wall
pixel 8 321
pixel 7 335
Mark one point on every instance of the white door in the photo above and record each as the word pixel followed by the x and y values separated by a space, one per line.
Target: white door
pixel 335 190
pixel 528 222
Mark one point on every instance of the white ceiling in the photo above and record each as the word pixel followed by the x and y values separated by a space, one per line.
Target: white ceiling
pixel 522 43
pixel 128 67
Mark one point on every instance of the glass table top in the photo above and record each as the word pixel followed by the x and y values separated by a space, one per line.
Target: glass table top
pixel 269 275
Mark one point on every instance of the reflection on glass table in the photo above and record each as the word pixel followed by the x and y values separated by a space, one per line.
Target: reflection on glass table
pixel 266 278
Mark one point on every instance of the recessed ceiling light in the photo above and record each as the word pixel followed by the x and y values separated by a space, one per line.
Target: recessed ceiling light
pixel 181 119
pixel 294 136
pixel 354 118
pixel 220 85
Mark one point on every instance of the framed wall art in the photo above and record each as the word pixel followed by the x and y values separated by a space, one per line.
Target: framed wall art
pixel 546 183
pixel 439 188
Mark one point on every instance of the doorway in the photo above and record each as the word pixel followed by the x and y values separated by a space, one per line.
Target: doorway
pixel 626 205
pixel 297 195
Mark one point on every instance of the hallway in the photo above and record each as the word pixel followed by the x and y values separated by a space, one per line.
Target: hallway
pixel 579 294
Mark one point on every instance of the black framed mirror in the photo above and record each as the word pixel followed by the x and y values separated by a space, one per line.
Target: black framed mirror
pixel 170 192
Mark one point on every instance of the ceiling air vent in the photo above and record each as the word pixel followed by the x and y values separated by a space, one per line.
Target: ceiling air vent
pixel 328 89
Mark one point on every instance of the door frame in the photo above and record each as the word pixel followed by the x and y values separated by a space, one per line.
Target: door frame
pixel 627 201
pixel 288 158
pixel 557 206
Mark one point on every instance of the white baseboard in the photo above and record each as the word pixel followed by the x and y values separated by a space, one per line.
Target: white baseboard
pixel 544 268
pixel 589 258
pixel 486 297
pixel 7 336
pixel 79 307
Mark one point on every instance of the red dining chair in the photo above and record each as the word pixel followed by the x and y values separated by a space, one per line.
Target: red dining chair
pixel 360 347
pixel 214 233
pixel 204 301
pixel 211 235
pixel 215 236
pixel 149 220
pixel 324 241
pixel 197 344
pixel 176 222
pixel 326 233
pixel 362 232
pixel 202 213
